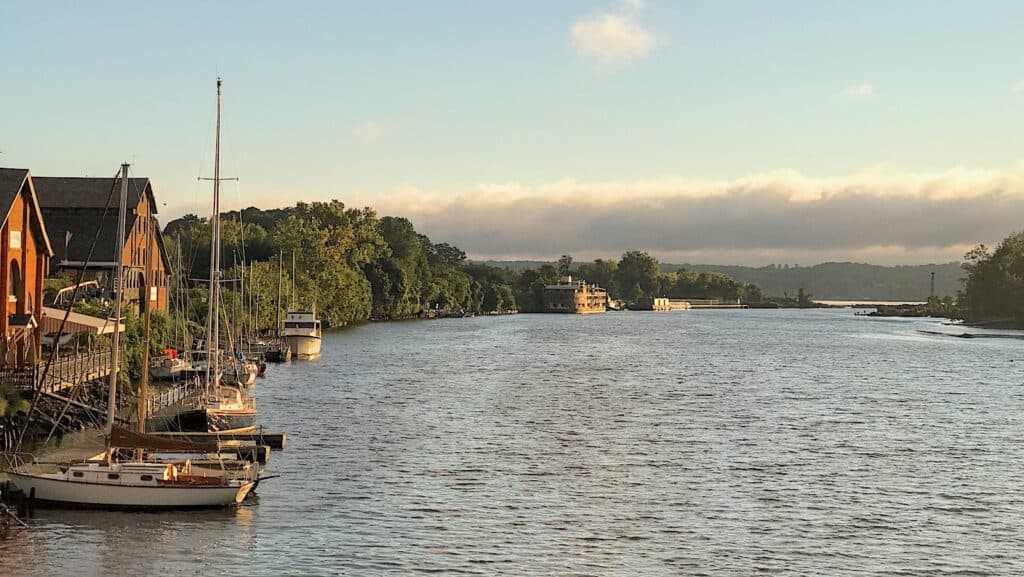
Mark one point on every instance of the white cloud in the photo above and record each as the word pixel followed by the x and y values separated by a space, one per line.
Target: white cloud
pixel 634 4
pixel 611 39
pixel 1018 87
pixel 860 91
pixel 368 131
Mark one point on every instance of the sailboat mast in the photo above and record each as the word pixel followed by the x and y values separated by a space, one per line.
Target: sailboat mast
pixel 148 303
pixel 213 310
pixel 115 353
pixel 280 277
pixel 291 298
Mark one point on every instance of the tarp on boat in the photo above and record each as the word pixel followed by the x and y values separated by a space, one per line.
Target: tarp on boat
pixel 126 439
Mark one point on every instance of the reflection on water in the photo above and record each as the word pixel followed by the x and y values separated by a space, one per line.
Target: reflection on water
pixel 722 442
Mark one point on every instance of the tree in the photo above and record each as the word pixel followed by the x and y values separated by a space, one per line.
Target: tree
pixel 637 270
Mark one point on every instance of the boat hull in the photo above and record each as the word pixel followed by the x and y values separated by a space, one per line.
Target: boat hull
pixel 304 347
pixel 203 421
pixel 63 493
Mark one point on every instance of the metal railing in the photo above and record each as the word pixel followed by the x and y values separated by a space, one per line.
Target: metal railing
pixel 172 395
pixel 74 369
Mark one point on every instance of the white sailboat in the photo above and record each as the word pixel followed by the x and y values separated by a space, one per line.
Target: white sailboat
pixel 110 484
pixel 222 407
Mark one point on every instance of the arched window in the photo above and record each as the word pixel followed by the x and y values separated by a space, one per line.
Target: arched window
pixel 14 280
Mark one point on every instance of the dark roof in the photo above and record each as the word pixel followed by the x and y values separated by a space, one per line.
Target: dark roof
pixel 11 180
pixel 85 192
pixel 83 225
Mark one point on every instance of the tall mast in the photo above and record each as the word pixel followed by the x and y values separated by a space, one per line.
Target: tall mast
pixel 115 354
pixel 280 276
pixel 213 320
pixel 292 299
pixel 147 302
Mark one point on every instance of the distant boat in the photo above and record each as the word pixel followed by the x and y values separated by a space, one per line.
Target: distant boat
pixel 277 351
pixel 303 333
pixel 223 409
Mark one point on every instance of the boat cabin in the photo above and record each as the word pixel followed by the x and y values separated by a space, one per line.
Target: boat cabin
pixel 123 473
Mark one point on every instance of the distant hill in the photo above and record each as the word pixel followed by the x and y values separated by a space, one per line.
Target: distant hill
pixel 827 281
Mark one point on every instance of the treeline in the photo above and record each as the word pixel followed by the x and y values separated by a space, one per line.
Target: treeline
pixel 848 280
pixel 356 266
pixel 830 280
pixel 349 263
pixel 638 274
pixel 994 288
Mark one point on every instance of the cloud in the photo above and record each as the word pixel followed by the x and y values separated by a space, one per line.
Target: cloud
pixel 610 40
pixel 781 216
pixel 368 132
pixel 634 4
pixel 859 91
pixel 1018 87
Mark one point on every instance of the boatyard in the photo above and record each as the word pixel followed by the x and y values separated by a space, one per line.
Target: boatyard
pixel 192 443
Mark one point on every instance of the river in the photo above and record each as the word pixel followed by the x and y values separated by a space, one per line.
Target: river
pixel 731 442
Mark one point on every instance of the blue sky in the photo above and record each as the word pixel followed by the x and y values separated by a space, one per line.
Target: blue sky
pixel 420 108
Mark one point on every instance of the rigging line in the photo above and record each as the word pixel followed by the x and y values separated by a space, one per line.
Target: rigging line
pixel 77 387
pixel 67 313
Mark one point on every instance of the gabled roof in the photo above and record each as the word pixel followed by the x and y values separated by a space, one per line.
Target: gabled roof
pixel 12 181
pixel 85 205
pixel 87 192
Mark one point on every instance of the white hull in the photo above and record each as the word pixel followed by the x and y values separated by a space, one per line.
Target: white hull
pixel 72 493
pixel 304 347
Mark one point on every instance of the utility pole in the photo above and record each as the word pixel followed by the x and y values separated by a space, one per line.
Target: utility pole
pixel 931 294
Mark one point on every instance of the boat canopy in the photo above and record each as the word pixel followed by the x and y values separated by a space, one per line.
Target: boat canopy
pixel 126 439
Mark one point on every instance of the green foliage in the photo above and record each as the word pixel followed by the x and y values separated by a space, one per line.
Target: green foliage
pixel 639 272
pixel 12 402
pixel 994 288
pixel 352 265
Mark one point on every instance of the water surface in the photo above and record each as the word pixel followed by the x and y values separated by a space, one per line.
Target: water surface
pixel 695 443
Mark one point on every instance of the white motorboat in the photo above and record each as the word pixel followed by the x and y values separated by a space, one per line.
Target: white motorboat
pixel 303 333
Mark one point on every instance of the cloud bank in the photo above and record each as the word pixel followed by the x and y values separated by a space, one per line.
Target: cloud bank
pixel 778 217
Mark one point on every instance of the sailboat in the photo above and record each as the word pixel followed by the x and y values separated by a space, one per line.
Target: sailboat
pixel 136 484
pixel 221 407
pixel 277 350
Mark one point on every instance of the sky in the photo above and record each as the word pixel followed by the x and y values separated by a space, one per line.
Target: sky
pixel 701 131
